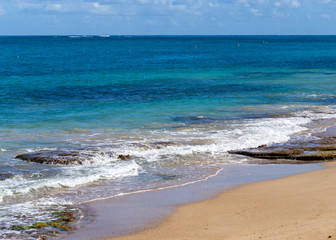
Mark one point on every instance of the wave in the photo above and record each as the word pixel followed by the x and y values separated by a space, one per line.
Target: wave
pixel 69 176
pixel 198 144
pixel 180 146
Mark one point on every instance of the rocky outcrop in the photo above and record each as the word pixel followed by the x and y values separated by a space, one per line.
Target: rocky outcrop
pixel 55 157
pixel 321 149
pixel 85 155
pixel 68 156
pixel 270 154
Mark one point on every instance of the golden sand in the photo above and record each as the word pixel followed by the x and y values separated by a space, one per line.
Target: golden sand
pixel 296 207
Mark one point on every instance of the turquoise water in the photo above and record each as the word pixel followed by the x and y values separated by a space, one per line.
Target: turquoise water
pixel 176 105
pixel 121 82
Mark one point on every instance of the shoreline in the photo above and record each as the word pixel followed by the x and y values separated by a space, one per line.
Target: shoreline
pixel 132 215
pixel 129 214
pixel 301 206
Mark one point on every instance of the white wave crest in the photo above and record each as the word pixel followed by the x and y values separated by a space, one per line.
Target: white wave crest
pixel 243 134
pixel 70 176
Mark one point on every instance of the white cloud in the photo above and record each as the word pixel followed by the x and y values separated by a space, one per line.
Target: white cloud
pixel 325 16
pixel 288 3
pixel 57 7
pixel 143 1
pixel 243 2
pixel 256 12
pixel 65 6
pixel 174 22
pixel 213 4
pixel 99 8
pixel 150 22
pixel 2 11
pixel 278 14
pixel 323 1
pixel 46 6
pixel 262 1
pixel 27 5
pixel 248 3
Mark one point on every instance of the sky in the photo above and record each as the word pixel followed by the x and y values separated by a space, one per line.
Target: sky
pixel 167 17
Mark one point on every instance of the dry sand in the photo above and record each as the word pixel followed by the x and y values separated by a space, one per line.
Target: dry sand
pixel 296 207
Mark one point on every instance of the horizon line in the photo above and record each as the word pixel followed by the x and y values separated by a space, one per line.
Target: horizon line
pixel 154 35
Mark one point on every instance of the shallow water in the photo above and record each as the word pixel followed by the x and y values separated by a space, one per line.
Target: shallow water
pixel 176 105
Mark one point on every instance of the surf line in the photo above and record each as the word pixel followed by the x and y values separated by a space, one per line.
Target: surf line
pixel 154 189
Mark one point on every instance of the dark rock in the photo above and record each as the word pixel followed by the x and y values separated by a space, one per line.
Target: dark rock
pixel 65 227
pixel 165 143
pixel 277 154
pixel 167 176
pixel 321 156
pixel 43 237
pixel 124 157
pixel 159 145
pixel 55 157
pixel 69 156
pixel 65 216
pixel 321 149
pixel 4 176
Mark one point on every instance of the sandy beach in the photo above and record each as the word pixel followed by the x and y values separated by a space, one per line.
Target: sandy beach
pixel 296 207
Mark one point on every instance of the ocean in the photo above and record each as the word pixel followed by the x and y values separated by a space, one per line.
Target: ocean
pixel 146 112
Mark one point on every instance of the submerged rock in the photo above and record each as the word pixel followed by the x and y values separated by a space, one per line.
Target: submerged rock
pixel 4 176
pixel 63 222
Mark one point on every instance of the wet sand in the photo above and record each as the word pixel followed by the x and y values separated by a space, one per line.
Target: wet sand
pixel 124 215
pixel 296 207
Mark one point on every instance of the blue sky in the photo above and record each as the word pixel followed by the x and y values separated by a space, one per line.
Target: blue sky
pixel 172 17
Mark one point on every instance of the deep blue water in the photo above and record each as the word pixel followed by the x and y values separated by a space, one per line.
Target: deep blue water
pixel 176 104
pixel 100 81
